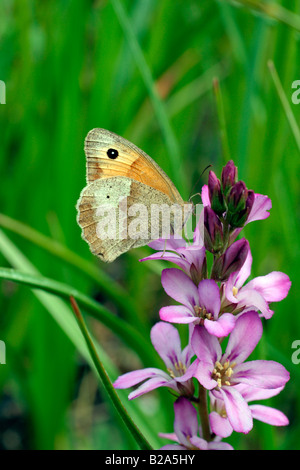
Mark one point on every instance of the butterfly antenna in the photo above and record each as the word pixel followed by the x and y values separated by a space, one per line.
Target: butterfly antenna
pixel 163 254
pixel 208 166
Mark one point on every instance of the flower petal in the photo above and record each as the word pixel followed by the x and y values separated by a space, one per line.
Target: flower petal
pixel 253 393
pixel 152 384
pixel 132 378
pixel 273 287
pixel 203 374
pixel 244 337
pixel 222 327
pixel 219 446
pixel 193 255
pixel 168 256
pixel 177 314
pixel 209 297
pixel 199 443
pixel 170 244
pixel 251 298
pixel 168 435
pixel 166 340
pixel 180 287
pixel 205 195
pixel 186 421
pixel 219 425
pixel 173 447
pixel 245 271
pixel 206 347
pixel 262 374
pixel 262 204
pixel 237 410
pixel 269 415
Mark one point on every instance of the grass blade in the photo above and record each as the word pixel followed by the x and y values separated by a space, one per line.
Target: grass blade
pixel 125 331
pixel 273 11
pixel 108 286
pixel 136 433
pixel 285 104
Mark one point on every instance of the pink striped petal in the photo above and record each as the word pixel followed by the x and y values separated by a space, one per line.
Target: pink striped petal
pixel 180 287
pixel 166 340
pixel 152 384
pixel 244 338
pixel 222 327
pixel 186 421
pixel 261 374
pixel 269 415
pixel 132 378
pixel 237 410
pixel 262 204
pixel 206 347
pixel 219 425
pixel 177 314
pixel 209 297
pixel 273 287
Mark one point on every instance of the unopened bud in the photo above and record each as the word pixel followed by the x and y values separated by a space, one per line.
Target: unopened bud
pixel 237 198
pixel 239 219
pixel 215 194
pixel 213 231
pixel 231 261
pixel 228 177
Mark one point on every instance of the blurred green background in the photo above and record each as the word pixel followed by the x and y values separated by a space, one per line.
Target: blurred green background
pixel 143 69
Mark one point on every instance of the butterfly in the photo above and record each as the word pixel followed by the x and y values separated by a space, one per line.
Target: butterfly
pixel 123 186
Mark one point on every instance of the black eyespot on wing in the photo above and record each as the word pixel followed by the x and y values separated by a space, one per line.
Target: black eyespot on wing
pixel 112 153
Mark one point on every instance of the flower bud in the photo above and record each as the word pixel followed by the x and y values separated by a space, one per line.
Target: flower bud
pixel 213 231
pixel 239 219
pixel 215 194
pixel 232 260
pixel 228 177
pixel 237 198
pixel 198 274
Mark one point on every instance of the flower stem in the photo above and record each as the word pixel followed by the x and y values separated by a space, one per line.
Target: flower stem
pixel 203 412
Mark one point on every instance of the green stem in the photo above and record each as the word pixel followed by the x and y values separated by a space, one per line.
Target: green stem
pixel 203 412
pixel 136 433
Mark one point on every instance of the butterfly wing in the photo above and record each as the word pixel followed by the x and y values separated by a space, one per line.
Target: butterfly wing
pixel 110 155
pixel 115 215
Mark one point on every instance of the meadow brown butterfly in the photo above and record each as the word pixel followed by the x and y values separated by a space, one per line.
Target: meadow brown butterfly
pixel 121 181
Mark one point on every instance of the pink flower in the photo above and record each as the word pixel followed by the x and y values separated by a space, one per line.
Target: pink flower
pixel 222 373
pixel 257 293
pixel 166 341
pixel 220 424
pixel 200 305
pixel 186 430
pixel 190 258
